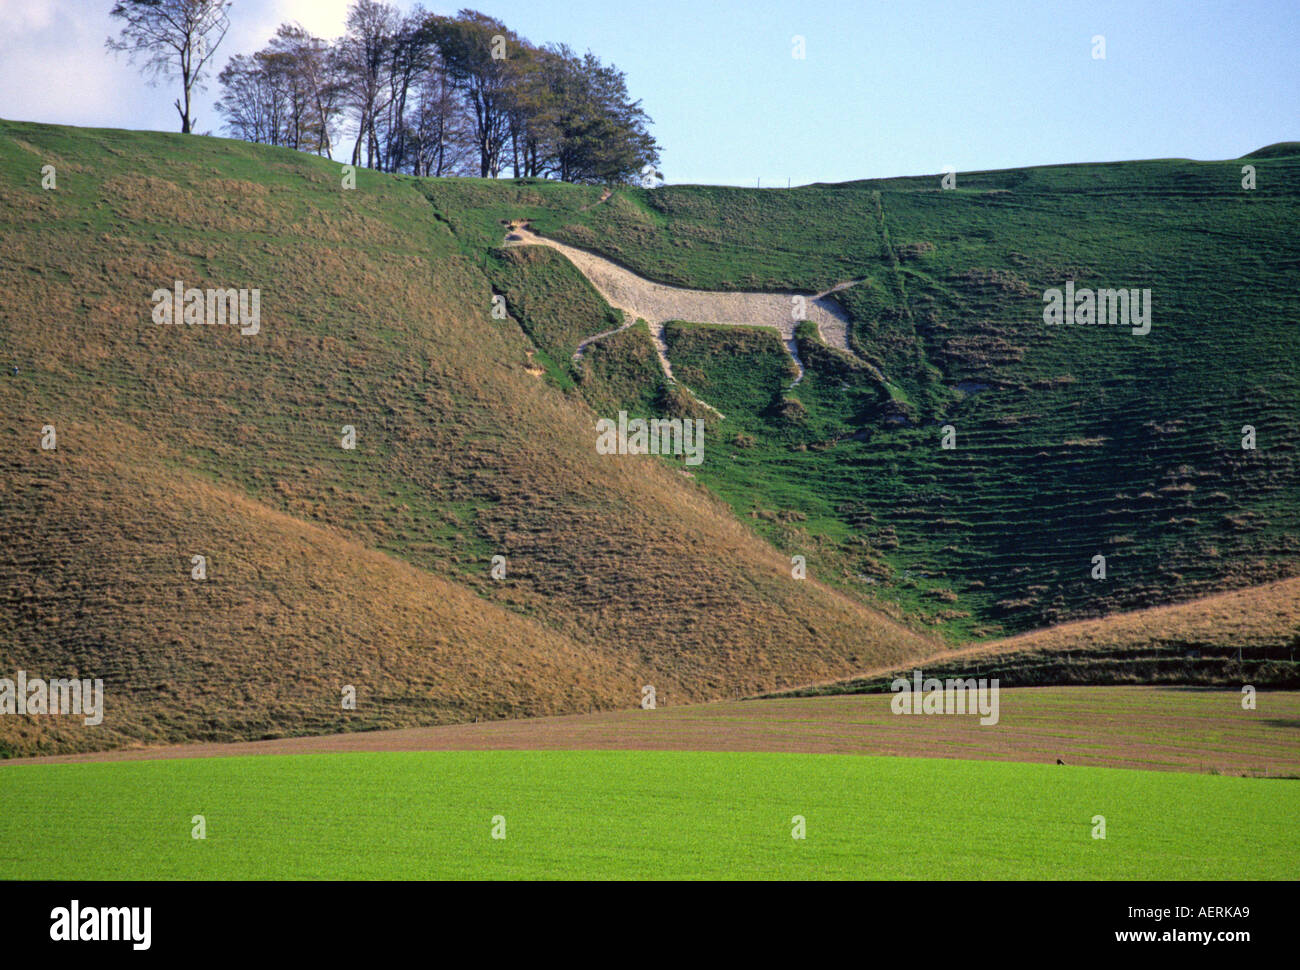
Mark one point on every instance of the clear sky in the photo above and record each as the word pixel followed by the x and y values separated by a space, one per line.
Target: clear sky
pixel 886 87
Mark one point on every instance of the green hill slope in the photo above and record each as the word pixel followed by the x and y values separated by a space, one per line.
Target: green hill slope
pixel 1070 441
pixel 330 567
pixel 475 436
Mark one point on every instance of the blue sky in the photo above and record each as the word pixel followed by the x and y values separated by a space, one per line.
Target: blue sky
pixel 886 87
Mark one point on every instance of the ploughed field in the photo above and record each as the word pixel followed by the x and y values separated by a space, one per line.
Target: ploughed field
pixel 1155 728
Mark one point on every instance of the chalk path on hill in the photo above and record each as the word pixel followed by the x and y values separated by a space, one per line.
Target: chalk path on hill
pixel 658 303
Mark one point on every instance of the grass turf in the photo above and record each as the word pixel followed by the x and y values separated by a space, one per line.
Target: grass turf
pixel 649 815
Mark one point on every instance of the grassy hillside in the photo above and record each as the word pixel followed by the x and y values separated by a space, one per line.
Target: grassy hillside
pixel 1071 441
pixel 330 567
pixel 1242 637
pixel 663 815
pixel 475 436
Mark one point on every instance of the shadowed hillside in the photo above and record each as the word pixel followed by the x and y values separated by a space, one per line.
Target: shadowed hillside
pixel 1244 637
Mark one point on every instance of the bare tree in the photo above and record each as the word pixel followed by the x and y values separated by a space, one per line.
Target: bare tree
pixel 285 94
pixel 474 49
pixel 363 53
pixel 175 37
pixel 442 141
pixel 305 65
pixel 437 95
pixel 248 102
pixel 409 58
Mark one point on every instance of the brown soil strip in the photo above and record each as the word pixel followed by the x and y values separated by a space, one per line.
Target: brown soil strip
pixel 1170 729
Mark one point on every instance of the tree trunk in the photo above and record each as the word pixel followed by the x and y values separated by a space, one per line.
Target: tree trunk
pixel 185 112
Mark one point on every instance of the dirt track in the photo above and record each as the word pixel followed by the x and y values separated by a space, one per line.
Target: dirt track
pixel 1173 729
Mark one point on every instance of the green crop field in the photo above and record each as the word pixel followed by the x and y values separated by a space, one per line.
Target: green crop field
pixel 655 815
